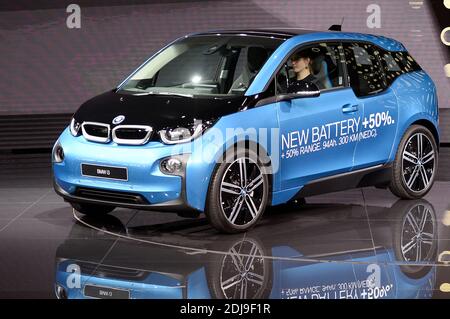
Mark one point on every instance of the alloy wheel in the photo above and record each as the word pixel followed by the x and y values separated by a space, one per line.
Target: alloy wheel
pixel 418 163
pixel 243 271
pixel 418 234
pixel 242 191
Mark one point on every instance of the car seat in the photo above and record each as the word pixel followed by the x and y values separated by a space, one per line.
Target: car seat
pixel 321 73
pixel 256 57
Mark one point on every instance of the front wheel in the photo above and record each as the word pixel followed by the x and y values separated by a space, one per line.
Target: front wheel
pixel 92 209
pixel 415 164
pixel 238 193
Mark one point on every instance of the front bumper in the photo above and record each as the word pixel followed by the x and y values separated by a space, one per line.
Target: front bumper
pixel 147 188
pixel 176 205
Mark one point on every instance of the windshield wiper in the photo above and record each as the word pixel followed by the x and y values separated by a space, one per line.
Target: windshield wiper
pixel 167 93
pixel 137 91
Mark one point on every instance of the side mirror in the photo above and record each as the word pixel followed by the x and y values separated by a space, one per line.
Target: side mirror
pixel 302 90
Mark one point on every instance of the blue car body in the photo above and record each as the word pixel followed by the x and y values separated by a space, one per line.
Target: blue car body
pixel 410 98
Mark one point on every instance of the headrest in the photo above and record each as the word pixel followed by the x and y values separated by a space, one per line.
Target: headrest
pixel 256 56
pixel 316 64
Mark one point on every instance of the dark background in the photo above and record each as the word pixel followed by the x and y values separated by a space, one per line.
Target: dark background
pixel 47 70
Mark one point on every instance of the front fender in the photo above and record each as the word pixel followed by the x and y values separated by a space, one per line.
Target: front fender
pixel 258 125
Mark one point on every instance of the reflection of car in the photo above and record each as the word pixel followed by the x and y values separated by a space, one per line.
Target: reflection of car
pixel 207 125
pixel 298 262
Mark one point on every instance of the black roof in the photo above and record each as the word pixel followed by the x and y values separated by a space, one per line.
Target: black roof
pixel 268 32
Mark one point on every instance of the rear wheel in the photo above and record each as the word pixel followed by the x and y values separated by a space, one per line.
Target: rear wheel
pixel 415 163
pixel 92 209
pixel 238 193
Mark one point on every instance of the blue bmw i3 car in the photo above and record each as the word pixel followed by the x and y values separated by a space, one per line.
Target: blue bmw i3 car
pixel 229 122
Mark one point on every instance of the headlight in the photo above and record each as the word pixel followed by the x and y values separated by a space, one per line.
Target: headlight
pixel 182 134
pixel 74 127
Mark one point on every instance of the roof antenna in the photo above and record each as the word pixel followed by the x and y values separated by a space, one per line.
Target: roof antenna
pixel 337 27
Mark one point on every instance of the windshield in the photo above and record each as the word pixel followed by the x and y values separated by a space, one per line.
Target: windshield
pixel 203 65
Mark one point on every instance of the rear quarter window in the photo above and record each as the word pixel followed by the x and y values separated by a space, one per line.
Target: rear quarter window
pixel 397 63
pixel 365 72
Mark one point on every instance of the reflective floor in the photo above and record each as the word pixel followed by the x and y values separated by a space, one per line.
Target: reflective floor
pixel 362 243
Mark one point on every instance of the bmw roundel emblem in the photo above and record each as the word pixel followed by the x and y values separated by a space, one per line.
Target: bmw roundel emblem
pixel 118 119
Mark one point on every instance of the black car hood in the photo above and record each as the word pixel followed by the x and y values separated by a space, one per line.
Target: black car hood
pixel 158 111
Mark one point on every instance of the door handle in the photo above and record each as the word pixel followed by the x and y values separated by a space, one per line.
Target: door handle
pixel 348 108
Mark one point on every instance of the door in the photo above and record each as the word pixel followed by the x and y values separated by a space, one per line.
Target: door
pixel 317 134
pixel 379 103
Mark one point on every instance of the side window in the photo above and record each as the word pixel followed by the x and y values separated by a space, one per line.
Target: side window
pixel 319 64
pixel 364 69
pixel 396 64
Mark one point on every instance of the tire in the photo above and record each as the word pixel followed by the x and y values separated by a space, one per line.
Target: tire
pixel 92 209
pixel 237 205
pixel 414 167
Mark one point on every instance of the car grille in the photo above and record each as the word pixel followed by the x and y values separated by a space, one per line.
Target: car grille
pixel 96 132
pixel 131 134
pixel 111 196
pixel 121 134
